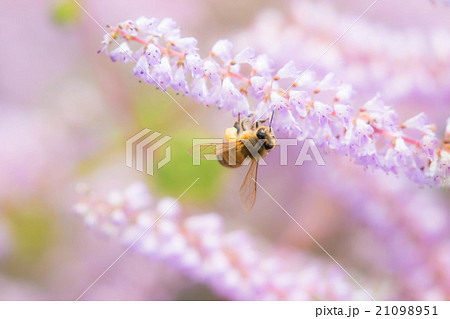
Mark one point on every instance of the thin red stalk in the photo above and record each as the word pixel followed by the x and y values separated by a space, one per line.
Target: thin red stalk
pixel 389 135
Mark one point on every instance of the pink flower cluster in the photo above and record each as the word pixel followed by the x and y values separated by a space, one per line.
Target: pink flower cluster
pixel 403 64
pixel 198 247
pixel 305 107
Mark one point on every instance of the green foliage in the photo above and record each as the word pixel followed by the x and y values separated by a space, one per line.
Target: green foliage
pixel 179 173
pixel 65 12
pixel 157 112
pixel 32 231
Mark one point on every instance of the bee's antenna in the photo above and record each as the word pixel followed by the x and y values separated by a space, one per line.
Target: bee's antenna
pixel 271 119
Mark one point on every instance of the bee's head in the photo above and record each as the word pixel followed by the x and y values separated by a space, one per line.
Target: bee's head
pixel 266 134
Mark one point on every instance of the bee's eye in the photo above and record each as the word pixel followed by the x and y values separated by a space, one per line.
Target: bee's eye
pixel 261 134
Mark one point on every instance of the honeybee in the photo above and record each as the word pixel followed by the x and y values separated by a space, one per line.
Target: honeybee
pixel 246 139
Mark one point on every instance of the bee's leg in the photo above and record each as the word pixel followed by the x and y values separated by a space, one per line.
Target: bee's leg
pixel 258 122
pixel 246 124
pixel 237 124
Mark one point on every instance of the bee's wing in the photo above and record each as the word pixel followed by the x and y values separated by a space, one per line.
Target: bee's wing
pixel 247 192
pixel 216 149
